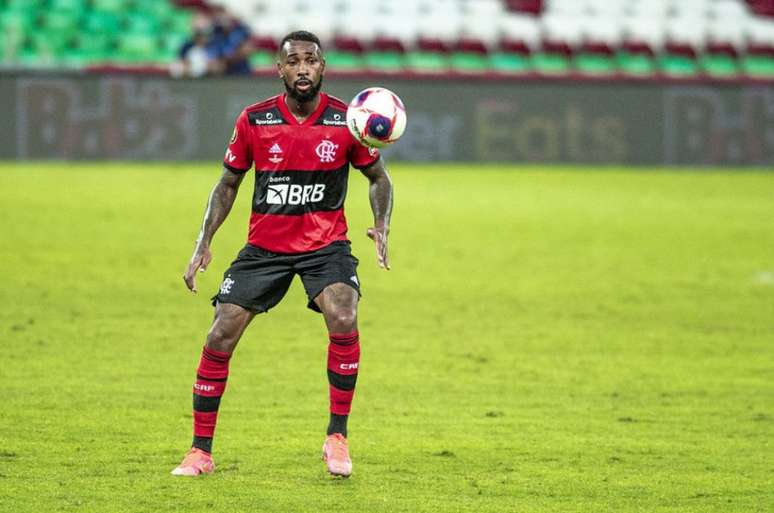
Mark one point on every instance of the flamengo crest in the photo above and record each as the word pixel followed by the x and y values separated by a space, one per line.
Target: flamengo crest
pixel 326 150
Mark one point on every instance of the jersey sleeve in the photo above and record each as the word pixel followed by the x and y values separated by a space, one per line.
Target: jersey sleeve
pixel 239 157
pixel 362 156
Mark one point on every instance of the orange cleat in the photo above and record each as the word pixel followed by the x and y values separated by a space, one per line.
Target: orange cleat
pixel 336 455
pixel 196 462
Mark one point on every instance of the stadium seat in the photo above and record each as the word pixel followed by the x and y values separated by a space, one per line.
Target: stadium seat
pixel 468 62
pixel 385 62
pixel 343 61
pixel 506 62
pixel 635 64
pixel 426 62
pixel 113 6
pixel 758 66
pixel 718 65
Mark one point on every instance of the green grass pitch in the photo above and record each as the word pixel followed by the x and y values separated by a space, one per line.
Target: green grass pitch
pixel 548 340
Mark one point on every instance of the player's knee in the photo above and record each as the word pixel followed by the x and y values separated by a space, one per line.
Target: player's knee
pixel 221 339
pixel 344 319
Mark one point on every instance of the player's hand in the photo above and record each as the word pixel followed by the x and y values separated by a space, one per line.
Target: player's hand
pixel 379 235
pixel 199 262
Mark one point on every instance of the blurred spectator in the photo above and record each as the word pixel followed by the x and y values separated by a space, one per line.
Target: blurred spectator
pixel 197 57
pixel 219 45
pixel 231 39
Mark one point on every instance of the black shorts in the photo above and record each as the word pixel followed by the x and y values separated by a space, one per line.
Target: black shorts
pixel 258 279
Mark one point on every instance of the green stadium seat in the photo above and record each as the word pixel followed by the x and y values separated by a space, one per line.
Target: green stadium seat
pixel 758 66
pixel 94 44
pixel 161 10
pixel 180 22
pixel 468 62
pixel 73 6
pixel 677 65
pixel 29 58
pixel 719 65
pixel 550 63
pixel 387 62
pixel 594 64
pixel 344 61
pixel 172 42
pixel 18 21
pixel 509 63
pixel 142 23
pixel 263 59
pixel 98 22
pixel 61 21
pixel 51 43
pixel 635 64
pixel 138 48
pixel 427 62
pixel 25 5
pixel 112 6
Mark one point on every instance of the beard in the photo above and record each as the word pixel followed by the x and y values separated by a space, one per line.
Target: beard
pixel 306 96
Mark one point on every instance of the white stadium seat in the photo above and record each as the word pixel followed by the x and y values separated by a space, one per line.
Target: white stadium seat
pixel 691 31
pixel 607 30
pixel 645 29
pixel 519 27
pixel 760 31
pixel 563 28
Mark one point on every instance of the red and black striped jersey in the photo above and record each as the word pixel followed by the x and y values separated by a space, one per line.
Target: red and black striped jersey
pixel 301 171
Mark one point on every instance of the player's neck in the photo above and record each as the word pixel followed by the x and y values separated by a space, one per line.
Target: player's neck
pixel 300 110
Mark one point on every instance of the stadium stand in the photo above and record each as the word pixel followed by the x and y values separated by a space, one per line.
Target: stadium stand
pixel 607 39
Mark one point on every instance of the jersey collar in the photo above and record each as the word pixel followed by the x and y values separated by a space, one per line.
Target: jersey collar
pixel 290 118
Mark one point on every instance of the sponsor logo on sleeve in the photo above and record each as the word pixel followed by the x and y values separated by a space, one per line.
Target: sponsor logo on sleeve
pixel 233 137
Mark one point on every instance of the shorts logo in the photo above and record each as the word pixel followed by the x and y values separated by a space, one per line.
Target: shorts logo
pixel 354 279
pixel 294 194
pixel 326 150
pixel 225 287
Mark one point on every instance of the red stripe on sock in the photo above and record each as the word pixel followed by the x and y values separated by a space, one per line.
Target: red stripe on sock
pixel 204 423
pixel 344 360
pixel 341 400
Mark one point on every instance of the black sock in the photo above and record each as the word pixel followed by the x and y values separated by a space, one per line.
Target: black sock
pixel 338 424
pixel 203 443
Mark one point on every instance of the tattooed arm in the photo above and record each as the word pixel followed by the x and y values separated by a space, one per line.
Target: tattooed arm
pixel 380 194
pixel 218 206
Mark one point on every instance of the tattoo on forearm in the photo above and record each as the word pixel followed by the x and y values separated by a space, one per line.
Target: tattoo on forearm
pixel 380 194
pixel 218 206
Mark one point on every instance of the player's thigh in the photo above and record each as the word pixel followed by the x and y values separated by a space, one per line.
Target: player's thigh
pixel 227 327
pixel 332 265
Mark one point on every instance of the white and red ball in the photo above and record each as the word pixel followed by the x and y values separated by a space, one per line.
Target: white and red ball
pixel 376 117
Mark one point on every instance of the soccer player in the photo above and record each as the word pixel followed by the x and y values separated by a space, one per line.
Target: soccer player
pixel 302 150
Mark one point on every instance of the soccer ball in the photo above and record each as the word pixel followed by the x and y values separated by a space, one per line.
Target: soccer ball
pixel 376 117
